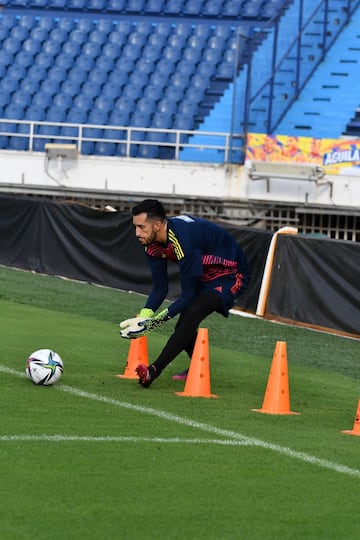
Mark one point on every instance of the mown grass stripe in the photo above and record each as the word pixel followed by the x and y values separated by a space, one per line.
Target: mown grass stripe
pixel 228 434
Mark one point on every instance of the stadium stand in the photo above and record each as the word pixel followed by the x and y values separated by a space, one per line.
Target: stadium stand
pixel 159 64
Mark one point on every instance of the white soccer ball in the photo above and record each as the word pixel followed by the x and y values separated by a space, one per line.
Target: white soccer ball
pixel 44 367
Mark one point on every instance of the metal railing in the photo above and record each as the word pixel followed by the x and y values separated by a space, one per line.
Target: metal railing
pixel 124 141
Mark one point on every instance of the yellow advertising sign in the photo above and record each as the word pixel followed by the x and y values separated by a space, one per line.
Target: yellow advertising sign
pixel 336 156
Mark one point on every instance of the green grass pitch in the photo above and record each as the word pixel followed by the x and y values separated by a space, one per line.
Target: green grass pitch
pixel 98 457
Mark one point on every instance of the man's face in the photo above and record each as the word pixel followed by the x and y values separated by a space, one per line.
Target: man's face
pixel 146 230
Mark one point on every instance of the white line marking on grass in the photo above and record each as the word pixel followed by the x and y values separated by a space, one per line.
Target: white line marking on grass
pixel 157 440
pixel 233 435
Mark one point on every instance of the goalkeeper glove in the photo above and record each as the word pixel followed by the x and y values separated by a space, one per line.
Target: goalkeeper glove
pixel 134 325
pixel 139 326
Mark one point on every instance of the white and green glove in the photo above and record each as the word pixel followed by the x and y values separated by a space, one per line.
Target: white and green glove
pixel 143 324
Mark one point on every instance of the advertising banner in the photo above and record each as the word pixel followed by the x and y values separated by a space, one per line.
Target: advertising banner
pixel 336 156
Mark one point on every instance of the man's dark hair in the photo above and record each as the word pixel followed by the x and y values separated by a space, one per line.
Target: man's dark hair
pixel 152 207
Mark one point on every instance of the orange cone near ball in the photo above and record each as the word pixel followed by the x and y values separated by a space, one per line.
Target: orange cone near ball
pixel 198 378
pixel 277 397
pixel 138 354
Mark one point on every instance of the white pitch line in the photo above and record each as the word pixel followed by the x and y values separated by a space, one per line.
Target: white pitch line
pixel 157 440
pixel 233 435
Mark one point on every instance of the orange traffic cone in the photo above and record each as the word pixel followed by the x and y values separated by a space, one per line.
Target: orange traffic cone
pixel 138 354
pixel 277 399
pixel 198 379
pixel 356 428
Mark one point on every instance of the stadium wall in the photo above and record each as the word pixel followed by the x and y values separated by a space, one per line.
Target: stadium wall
pixel 24 172
pixel 314 281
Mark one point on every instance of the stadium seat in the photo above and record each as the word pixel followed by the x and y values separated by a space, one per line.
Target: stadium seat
pixel 63 60
pixel 119 118
pixel 78 75
pixel 21 98
pixel 177 40
pixel 115 5
pixel 70 48
pixel 98 36
pixel 173 7
pixel 77 116
pixel 57 74
pixel 125 105
pixel 27 21
pixel 231 8
pixel 90 89
pixel 84 62
pixel 58 34
pixel 36 72
pixel 5 98
pixel 91 48
pixel 20 33
pixel 65 23
pixel 104 104
pixel 147 106
pixel 103 148
pixel 166 106
pixel 105 25
pixel 78 36
pixel 70 88
pixel 54 114
pixel 85 103
pixel 154 7
pixel 153 54
pixel 42 100
pixel 96 5
pixel 63 101
pixel 105 63
pixel 192 7
pixel 50 87
pixel 32 46
pixel 147 151
pixel 38 34
pixel 11 45
pixel 113 49
pixel 134 6
pixel 145 66
pixel 16 72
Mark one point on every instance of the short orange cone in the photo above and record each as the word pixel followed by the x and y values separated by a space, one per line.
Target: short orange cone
pixel 356 428
pixel 198 379
pixel 138 354
pixel 277 398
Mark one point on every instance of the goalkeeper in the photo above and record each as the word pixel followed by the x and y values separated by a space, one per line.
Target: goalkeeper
pixel 213 272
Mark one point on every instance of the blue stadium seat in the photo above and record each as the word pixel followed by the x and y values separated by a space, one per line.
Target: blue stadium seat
pixel 52 47
pixel 177 40
pixel 105 63
pixel 147 151
pixel 145 66
pixel 14 111
pixel 192 7
pixel 115 5
pixel 157 40
pixel 191 54
pixel 91 89
pixel 98 36
pixel 125 26
pixel 4 33
pixel 212 7
pixel 162 120
pixel 2 71
pixel 179 80
pixel 125 64
pixel 85 103
pixel 63 101
pixel 70 48
pixel 98 76
pixel 16 72
pixel 78 36
pixel 54 114
pixel 66 23
pixel 20 33
pixel 119 118
pixel 32 46
pixel 203 30
pixel 10 85
pixel 105 25
pixel 117 78
pixel 42 99
pixel 36 72
pixel 159 79
pixel 47 23
pixel 29 86
pixel 132 91
pixel 62 60
pixel 145 105
pixel 19 143
pixel 103 148
pixel 174 93
pixel 39 34
pixel 86 25
pixel 58 34
pixel 171 53
pixel 35 112
pixel 104 104
pixel 57 73
pixel 187 108
pixel 27 21
pixel 57 4
pixel 21 98
pixel 153 54
pixel 125 105
pixel 11 45
pixel 91 48
pixel 173 7
pixel 6 58
pixel 166 106
pixel 5 98
pixel 44 60
pixel 154 6
pixel 77 5
pixel 84 62
pixel 50 87
pixel 24 59
pixel 134 6
pixel 113 49
pixel 96 5
pixel 70 88
pixel 78 75
pixel 223 31
pixel 77 116
pixel 8 21
pixel 137 39
pixel 153 92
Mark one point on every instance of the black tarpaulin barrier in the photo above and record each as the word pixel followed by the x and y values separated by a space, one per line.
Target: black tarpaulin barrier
pixel 87 244
pixel 316 281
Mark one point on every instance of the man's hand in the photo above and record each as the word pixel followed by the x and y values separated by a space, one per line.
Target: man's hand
pixel 132 328
pixel 140 326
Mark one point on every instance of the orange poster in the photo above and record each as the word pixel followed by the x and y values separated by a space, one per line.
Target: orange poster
pixel 336 156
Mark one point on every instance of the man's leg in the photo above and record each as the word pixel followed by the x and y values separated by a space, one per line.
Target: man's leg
pixel 184 336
